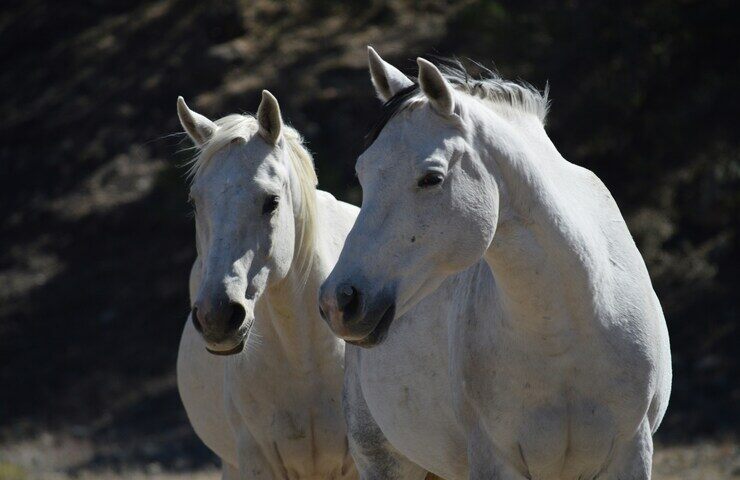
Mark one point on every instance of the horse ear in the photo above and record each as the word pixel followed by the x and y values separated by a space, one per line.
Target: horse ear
pixel 435 87
pixel 198 127
pixel 387 79
pixel 269 119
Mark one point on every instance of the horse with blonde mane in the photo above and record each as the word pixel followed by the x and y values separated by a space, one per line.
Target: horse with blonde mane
pixel 259 373
pixel 503 321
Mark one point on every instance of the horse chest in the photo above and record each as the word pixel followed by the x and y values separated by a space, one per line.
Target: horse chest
pixel 407 391
pixel 295 421
pixel 553 407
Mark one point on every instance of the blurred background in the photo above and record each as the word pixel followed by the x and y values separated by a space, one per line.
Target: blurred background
pixel 96 241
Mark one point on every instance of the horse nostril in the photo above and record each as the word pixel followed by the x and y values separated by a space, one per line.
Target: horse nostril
pixel 348 299
pixel 321 312
pixel 196 320
pixel 345 294
pixel 238 314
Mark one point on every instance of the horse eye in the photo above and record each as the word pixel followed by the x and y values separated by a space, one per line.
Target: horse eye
pixel 271 203
pixel 430 180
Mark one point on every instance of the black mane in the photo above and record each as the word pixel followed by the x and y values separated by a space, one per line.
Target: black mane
pixel 390 108
pixel 488 85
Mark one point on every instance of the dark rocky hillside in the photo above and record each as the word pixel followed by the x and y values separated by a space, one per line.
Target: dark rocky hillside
pixel 95 235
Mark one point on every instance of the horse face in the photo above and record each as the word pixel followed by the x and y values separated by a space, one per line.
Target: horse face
pixel 245 234
pixel 429 210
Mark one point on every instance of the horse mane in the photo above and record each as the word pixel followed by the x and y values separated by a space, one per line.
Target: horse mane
pixel 237 126
pixel 488 86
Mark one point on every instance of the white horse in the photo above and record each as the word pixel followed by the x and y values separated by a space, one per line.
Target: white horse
pixel 266 239
pixel 544 353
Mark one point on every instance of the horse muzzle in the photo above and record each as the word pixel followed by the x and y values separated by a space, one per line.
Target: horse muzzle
pixel 354 317
pixel 223 338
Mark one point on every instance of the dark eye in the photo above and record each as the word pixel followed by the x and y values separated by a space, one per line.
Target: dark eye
pixel 430 180
pixel 271 203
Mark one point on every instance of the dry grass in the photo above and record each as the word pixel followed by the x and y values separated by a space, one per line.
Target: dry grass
pixel 702 461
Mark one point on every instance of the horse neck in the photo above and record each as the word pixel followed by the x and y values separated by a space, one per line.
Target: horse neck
pixel 291 324
pixel 539 255
pixel 289 317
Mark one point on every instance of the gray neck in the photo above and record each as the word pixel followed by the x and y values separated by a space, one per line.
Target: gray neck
pixel 533 255
pixel 290 320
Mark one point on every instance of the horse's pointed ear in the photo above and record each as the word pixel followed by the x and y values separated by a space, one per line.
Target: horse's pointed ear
pixel 198 127
pixel 269 119
pixel 387 79
pixel 435 87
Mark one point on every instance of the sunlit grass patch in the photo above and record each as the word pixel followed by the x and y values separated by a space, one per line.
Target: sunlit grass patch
pixel 10 471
